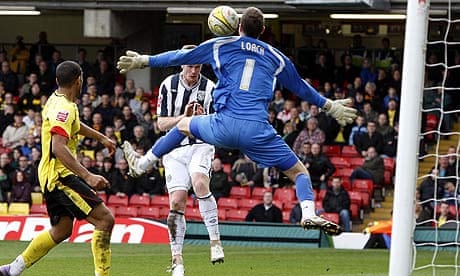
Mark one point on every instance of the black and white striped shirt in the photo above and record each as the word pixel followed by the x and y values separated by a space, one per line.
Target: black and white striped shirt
pixel 175 95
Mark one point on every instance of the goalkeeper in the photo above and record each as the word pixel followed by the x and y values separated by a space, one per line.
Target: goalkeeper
pixel 247 69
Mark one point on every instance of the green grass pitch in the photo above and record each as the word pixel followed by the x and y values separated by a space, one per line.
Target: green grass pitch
pixel 128 259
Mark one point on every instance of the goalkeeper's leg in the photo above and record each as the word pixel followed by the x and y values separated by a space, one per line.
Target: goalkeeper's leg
pixel 298 174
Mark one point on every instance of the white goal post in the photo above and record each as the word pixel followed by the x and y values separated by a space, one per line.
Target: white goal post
pixel 408 139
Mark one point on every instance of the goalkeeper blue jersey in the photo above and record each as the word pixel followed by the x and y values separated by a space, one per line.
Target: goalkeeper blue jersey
pixel 247 70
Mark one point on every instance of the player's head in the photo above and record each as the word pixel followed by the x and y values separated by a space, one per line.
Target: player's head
pixel 69 75
pixel 252 22
pixel 190 72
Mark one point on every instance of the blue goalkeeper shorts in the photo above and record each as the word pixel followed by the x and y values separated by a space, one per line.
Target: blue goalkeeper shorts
pixel 258 140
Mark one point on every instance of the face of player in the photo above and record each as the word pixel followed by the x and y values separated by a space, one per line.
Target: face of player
pixel 191 73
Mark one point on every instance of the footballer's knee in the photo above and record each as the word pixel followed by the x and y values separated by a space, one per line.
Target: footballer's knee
pixel 102 218
pixel 200 183
pixel 62 229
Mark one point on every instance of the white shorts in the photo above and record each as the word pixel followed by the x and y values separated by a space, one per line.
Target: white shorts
pixel 182 162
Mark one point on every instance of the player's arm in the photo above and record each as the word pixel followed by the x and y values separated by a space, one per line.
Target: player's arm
pixel 199 55
pixel 289 78
pixel 91 133
pixel 166 123
pixel 61 151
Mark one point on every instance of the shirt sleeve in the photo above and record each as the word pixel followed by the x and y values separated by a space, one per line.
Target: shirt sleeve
pixel 61 120
pixel 200 55
pixel 290 79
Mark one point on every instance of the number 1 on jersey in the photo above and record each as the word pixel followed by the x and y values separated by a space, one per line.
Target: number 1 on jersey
pixel 247 74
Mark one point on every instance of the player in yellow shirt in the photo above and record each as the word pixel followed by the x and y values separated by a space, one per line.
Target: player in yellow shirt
pixel 68 187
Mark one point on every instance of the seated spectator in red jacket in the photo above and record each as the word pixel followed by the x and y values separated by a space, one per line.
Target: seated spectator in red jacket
pixel 266 211
pixel 21 189
pixel 337 201
pixel 373 168
pixel 319 166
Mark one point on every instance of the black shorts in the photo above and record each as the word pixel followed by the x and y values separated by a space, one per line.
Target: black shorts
pixel 75 199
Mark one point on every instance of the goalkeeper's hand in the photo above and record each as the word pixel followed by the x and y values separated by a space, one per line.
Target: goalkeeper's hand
pixel 132 60
pixel 340 111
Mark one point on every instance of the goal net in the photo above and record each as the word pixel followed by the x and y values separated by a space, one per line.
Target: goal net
pixel 437 198
pixel 427 243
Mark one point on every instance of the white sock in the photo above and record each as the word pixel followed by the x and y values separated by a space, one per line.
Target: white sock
pixel 176 229
pixel 17 266
pixel 147 160
pixel 208 210
pixel 308 209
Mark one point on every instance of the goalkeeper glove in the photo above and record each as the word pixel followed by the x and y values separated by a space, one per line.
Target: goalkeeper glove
pixel 132 60
pixel 338 109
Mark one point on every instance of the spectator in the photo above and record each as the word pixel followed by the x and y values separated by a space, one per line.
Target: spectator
pixel 390 96
pixel 105 77
pixel 129 118
pixel 6 117
pixel 285 114
pixel 97 122
pixel 9 79
pixel 385 56
pixel 358 129
pixel 337 201
pixel 106 109
pixel 5 186
pixel 319 166
pixel 445 170
pixel 450 194
pixel 123 184
pixel 305 152
pixel 109 172
pixel 31 79
pixel 304 111
pixel 140 139
pixel 46 79
pixel 31 100
pixel 220 187
pixel 369 113
pixel 371 96
pixel 289 134
pixel 94 98
pixel 266 211
pixel 19 55
pixel 120 131
pixel 244 172
pixel 135 102
pixel 36 155
pixel 295 120
pixel 42 47
pixel 24 167
pixel 445 218
pixel 372 168
pixel 358 51
pixel 348 72
pixel 85 115
pixel 276 123
pixel 29 118
pixel 389 135
pixel 295 216
pixel 395 81
pixel 423 214
pixel 56 59
pixel 5 163
pixel 311 133
pixel 323 71
pixel 130 89
pixel 370 139
pixel 392 112
pixel 368 73
pixel 356 87
pixel 326 123
pixel 453 156
pixel 84 64
pixel 21 189
pixel 15 132
pixel 429 189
